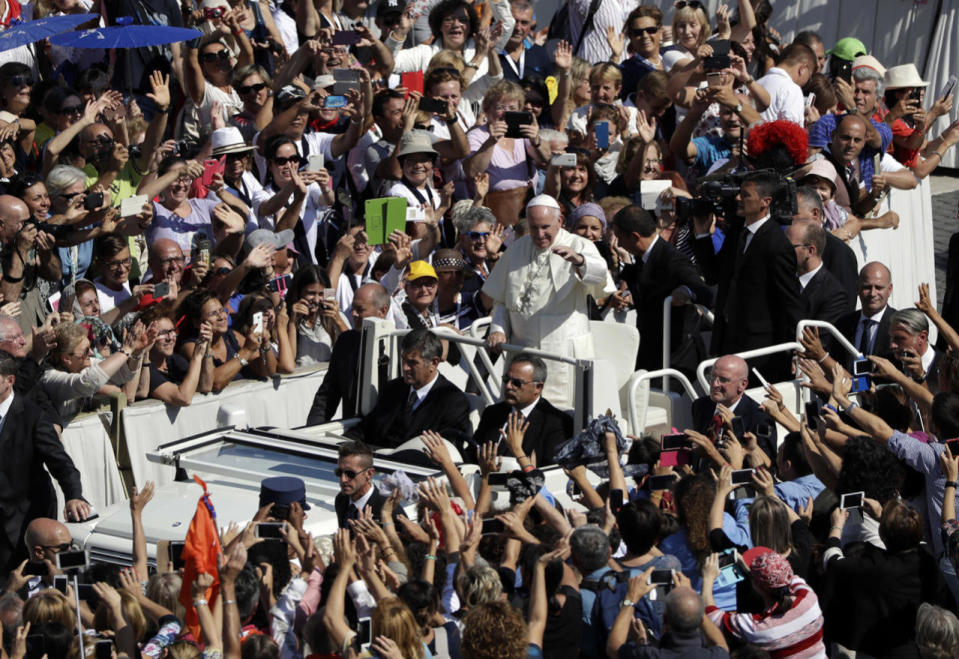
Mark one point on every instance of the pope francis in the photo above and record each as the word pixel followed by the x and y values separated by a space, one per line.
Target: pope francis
pixel 539 290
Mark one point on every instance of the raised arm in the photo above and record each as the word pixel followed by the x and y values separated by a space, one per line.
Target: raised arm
pixel 138 501
pixel 435 449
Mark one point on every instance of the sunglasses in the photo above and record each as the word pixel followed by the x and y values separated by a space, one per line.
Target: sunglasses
pixel 280 160
pixel 220 55
pixel 223 271
pixel 644 30
pixel 694 4
pixel 20 81
pixel 349 473
pixel 478 235
pixel 516 382
pixel 246 89
pixel 66 546
pixel 72 109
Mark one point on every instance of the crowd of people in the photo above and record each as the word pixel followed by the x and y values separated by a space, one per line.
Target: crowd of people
pixel 175 218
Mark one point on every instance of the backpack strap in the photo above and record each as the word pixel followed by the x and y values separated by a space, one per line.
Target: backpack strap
pixel 587 23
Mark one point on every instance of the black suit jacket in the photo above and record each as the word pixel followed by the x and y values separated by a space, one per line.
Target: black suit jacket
pixel 840 260
pixel 751 413
pixel 445 410
pixel 28 443
pixel 758 302
pixel 536 62
pixel 548 428
pixel 650 284
pixel 339 382
pixel 849 323
pixel 824 297
pixel 342 503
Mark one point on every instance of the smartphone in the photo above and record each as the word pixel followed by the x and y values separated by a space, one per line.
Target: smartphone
pixel 764 430
pixel 915 94
pixel 715 64
pixel 258 322
pixel 335 101
pixel 329 294
pixel 863 367
pixel 279 284
pixel 953 446
pixel 739 427
pixel 433 105
pixel 742 476
pixel 602 134
pixel 34 569
pixel 346 75
pixel 176 554
pixel 759 376
pixel 947 89
pixel 660 578
pixel 104 649
pixel 661 482
pixel 364 633
pixel 93 201
pixel 714 80
pixel 269 530
pixel 498 480
pixel 727 558
pixel 573 489
pixel 492 526
pixel 161 290
pixel 316 163
pixel 615 501
pixel 86 593
pixel 851 500
pixel 346 38
pixel 810 99
pixel 674 442
pixel 60 583
pixel 729 571
pixel 72 560
pixel 516 119
pixel 813 410
pixel 202 247
pixel 133 205
pixel 877 163
pixel 210 169
pixel 845 72
pixel 563 160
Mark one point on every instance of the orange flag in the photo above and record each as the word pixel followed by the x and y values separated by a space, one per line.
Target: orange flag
pixel 200 552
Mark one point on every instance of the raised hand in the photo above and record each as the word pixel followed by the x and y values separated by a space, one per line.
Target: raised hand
pixel 140 498
pixel 925 304
pixel 160 84
pixel 617 42
pixel 563 57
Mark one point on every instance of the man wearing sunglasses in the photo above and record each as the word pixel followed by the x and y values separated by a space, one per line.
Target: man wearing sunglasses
pixel 354 470
pixel 523 396
pixel 44 539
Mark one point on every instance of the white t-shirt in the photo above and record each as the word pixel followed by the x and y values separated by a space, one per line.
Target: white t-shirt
pixel 110 298
pixel 315 143
pixel 785 97
pixel 312 213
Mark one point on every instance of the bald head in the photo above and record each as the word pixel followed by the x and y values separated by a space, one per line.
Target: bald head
pixel 874 288
pixel 13 213
pixel 166 260
pixel 370 301
pixel 42 534
pixel 684 610
pixel 728 380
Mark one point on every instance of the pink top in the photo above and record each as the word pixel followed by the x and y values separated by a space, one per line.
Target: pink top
pixel 507 169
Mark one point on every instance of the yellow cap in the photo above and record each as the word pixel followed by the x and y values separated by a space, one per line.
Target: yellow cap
pixel 420 269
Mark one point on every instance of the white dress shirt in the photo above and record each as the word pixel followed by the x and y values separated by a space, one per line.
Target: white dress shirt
pixel 423 391
pixel 786 99
pixel 806 278
pixel 752 229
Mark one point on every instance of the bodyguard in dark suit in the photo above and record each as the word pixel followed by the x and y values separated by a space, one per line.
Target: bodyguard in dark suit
pixel 29 443
pixel 517 60
pixel 354 469
pixel 523 393
pixel 758 302
pixel 837 257
pixel 727 385
pixel 421 399
pixel 660 270
pixel 339 382
pixel 823 296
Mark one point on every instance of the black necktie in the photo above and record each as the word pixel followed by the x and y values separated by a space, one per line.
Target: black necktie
pixel 411 400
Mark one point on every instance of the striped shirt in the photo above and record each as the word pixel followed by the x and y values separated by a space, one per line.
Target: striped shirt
pixel 793 633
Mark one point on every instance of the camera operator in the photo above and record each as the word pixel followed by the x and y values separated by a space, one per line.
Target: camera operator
pixel 27 258
pixel 758 302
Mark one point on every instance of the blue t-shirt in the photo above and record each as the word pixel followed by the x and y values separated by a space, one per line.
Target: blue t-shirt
pixel 709 149
pixel 820 136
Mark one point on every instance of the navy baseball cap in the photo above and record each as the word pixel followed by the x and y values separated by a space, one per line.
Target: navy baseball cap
pixel 282 491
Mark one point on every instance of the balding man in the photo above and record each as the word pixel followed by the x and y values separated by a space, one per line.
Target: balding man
pixel 339 382
pixel 539 291
pixel 45 538
pixel 838 258
pixel 727 386
pixel 166 261
pixel 27 255
pixel 30 357
pixel 30 448
pixel 682 631
pixel 821 292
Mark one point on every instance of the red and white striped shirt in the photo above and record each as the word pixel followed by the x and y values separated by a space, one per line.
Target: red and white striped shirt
pixel 796 633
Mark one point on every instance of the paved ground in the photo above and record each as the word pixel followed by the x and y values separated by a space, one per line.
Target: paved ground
pixel 945 198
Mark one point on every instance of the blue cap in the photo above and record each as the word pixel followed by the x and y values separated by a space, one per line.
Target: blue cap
pixel 282 491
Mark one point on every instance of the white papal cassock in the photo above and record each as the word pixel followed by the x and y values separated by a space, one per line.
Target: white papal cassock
pixel 540 302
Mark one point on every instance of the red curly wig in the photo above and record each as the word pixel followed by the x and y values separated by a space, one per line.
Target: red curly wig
pixel 790 137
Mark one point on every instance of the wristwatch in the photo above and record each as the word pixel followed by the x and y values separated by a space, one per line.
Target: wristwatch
pixel 243 362
pixel 628 602
pixel 738 108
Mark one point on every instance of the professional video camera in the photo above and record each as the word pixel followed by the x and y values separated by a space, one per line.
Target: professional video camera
pixel 717 195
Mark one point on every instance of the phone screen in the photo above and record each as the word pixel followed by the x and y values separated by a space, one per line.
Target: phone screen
pixel 176 554
pixel 615 500
pixel 812 413
pixel 492 526
pixel 851 500
pixel 742 476
pixel 661 482
pixel 661 578
pixel 270 530
pixel 953 446
pixel 602 134
pixel 673 442
pixel 863 367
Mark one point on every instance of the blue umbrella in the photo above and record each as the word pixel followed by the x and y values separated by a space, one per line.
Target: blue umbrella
pixel 29 32
pixel 125 36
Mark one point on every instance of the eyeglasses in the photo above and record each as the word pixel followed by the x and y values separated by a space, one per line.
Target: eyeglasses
pixel 223 271
pixel 693 4
pixel 20 81
pixel 66 546
pixel 246 89
pixel 461 18
pixel 69 195
pixel 170 261
pixel 478 235
pixel 72 109
pixel 516 382
pixel 83 355
pixel 423 283
pixel 103 140
pixel 639 31
pixel 220 55
pixel 166 334
pixel 119 263
pixel 349 473
pixel 215 314
pixel 280 160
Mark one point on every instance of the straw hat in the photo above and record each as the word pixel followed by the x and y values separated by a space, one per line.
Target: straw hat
pixel 228 140
pixel 904 75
